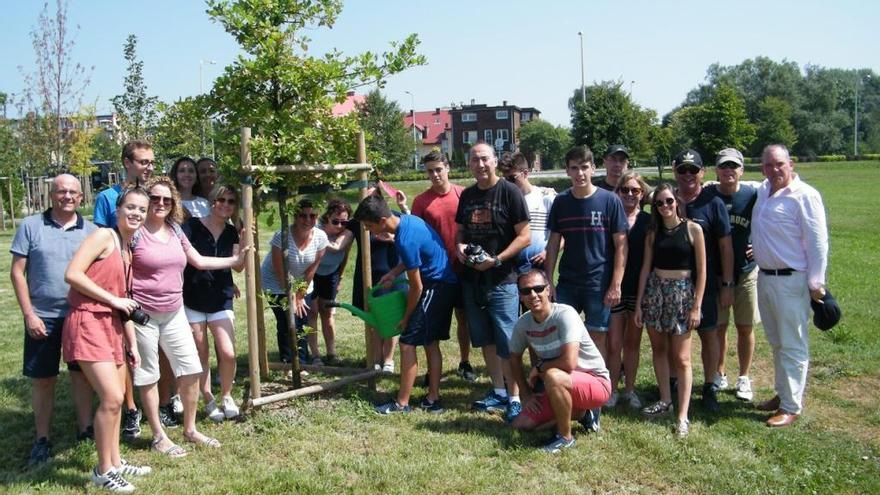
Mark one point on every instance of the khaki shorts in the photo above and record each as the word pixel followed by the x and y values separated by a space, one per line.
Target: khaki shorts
pixel 745 302
pixel 172 332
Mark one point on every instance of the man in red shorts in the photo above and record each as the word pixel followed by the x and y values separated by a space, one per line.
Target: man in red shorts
pixel 570 369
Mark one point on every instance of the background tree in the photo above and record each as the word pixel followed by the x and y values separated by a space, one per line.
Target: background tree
pixel 285 94
pixel 136 111
pixel 81 137
pixel 55 87
pixel 719 123
pixel 389 142
pixel 609 116
pixel 178 132
pixel 773 125
pixel 105 148
pixel 538 137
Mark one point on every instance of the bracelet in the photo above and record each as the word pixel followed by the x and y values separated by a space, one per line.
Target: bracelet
pixel 728 285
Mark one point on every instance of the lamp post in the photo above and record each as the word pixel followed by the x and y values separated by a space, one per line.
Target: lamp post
pixel 412 113
pixel 631 88
pixel 583 86
pixel 202 64
pixel 859 84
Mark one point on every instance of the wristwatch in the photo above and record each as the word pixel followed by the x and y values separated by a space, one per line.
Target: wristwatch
pixel 728 285
pixel 497 261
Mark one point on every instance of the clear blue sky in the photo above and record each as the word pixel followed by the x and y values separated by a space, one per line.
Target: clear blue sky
pixel 525 52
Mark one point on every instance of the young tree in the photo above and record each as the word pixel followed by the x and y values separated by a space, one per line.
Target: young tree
pixel 538 137
pixel 287 95
pixel 389 142
pixel 609 117
pixel 81 137
pixel 136 111
pixel 55 87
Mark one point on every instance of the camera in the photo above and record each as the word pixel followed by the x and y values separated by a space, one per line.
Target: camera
pixel 138 316
pixel 475 254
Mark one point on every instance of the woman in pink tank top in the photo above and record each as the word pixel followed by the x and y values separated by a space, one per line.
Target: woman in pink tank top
pixel 93 331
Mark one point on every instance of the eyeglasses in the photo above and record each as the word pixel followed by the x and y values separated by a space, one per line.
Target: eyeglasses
pixel 307 215
pixel 664 202
pixel 67 192
pixel 227 201
pixel 339 222
pixel 687 169
pixel 635 191
pixel 537 289
pixel 725 165
pixel 144 162
pixel 166 201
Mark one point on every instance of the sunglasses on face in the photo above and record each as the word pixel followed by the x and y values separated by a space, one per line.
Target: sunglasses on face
pixel 687 169
pixel 726 165
pixel 664 202
pixel 226 201
pixel 537 289
pixel 165 201
pixel 635 191
pixel 339 222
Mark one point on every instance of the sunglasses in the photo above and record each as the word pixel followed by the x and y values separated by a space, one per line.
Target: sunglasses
pixel 635 191
pixel 339 222
pixel 537 289
pixel 687 169
pixel 166 201
pixel 307 215
pixel 727 165
pixel 664 202
pixel 226 201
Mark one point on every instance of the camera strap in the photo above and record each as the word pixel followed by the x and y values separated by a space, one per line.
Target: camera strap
pixel 126 266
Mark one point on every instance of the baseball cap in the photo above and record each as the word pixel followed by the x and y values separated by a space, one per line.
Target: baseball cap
pixel 729 155
pixel 827 313
pixel 616 148
pixel 688 157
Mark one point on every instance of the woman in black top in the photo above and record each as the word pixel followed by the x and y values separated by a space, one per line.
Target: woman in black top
pixel 622 329
pixel 668 301
pixel 208 295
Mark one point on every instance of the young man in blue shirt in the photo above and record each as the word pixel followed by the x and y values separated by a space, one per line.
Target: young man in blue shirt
pixel 429 300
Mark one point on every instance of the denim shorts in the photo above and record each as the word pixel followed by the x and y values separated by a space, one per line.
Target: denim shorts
pixel 431 319
pixel 491 313
pixel 592 303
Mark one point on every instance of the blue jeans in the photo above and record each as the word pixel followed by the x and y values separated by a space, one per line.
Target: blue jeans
pixel 592 303
pixel 491 313
pixel 285 351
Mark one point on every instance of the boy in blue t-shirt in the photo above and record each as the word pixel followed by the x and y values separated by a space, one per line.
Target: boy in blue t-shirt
pixel 593 225
pixel 429 301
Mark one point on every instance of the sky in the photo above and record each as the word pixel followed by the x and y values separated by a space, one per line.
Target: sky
pixel 524 52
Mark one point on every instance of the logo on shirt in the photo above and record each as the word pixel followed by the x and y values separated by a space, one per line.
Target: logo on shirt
pixel 541 333
pixel 596 218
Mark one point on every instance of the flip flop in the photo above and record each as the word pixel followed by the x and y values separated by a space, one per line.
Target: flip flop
pixel 205 441
pixel 173 451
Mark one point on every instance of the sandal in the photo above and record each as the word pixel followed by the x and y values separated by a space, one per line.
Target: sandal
pixel 657 409
pixel 205 441
pixel 173 451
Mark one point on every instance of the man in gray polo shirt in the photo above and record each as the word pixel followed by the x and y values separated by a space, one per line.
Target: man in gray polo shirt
pixel 41 249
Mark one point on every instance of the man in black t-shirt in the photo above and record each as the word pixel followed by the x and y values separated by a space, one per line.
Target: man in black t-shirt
pixel 616 163
pixel 492 214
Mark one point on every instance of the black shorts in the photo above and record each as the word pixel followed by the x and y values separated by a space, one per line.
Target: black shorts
pixel 432 317
pixel 42 356
pixel 326 286
pixel 709 308
pixel 627 304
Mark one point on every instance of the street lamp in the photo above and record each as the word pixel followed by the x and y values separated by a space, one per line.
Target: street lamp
pixel 583 86
pixel 412 112
pixel 202 63
pixel 631 88
pixel 859 83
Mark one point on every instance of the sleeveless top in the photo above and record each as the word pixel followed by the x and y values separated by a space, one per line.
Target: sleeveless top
pixel 672 248
pixel 107 273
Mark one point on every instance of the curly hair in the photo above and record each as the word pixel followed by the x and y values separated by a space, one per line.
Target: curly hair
pixel 337 206
pixel 176 214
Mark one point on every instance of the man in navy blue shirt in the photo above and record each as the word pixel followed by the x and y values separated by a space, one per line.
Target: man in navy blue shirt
pixel 429 300
pixel 702 207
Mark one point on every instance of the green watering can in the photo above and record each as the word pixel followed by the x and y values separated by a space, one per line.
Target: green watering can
pixel 386 310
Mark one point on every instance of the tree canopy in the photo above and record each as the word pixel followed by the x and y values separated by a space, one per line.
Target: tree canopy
pixel 538 137
pixel 389 143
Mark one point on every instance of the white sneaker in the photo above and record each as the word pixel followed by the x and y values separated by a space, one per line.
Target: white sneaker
pixel 633 399
pixel 111 481
pixel 720 381
pixel 214 413
pixel 127 469
pixel 612 401
pixel 177 404
pixel 388 367
pixel 229 408
pixel 682 428
pixel 744 389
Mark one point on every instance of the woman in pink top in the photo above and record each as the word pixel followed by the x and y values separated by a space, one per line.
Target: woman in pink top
pixel 93 331
pixel 160 252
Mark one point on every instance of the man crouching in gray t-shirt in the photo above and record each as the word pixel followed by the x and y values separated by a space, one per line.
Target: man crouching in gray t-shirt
pixel 569 365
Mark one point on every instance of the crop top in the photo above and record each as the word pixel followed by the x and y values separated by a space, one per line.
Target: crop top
pixel 673 249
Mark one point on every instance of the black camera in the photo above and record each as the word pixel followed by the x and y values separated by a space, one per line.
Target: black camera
pixel 475 254
pixel 138 316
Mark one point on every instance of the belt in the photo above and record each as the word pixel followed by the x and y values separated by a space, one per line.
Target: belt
pixel 778 271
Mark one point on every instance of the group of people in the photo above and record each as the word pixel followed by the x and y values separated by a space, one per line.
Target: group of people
pixel 130 300
pixel 127 301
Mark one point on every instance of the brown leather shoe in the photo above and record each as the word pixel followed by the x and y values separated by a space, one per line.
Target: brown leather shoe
pixel 769 405
pixel 781 419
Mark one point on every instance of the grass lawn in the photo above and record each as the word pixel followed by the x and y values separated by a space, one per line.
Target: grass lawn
pixel 335 442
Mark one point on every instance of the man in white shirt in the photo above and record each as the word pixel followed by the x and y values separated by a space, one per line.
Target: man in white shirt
pixel 515 168
pixel 790 243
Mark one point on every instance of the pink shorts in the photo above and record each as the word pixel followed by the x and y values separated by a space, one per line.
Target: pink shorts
pixel 588 391
pixel 92 337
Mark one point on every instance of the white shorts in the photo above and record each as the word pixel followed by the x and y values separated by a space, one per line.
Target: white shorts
pixel 173 333
pixel 195 316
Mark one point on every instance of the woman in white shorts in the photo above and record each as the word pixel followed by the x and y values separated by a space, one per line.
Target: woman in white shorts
pixel 160 252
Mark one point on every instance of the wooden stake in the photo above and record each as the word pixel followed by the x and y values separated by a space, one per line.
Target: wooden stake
pixel 314 389
pixel 247 195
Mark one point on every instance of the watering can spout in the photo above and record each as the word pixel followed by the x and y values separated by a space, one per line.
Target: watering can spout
pixel 367 317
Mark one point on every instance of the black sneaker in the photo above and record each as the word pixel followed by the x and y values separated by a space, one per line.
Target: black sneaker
pixel 710 398
pixel 433 407
pixel 131 424
pixel 466 371
pixel 591 420
pixel 40 452
pixel 167 416
pixel 87 434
